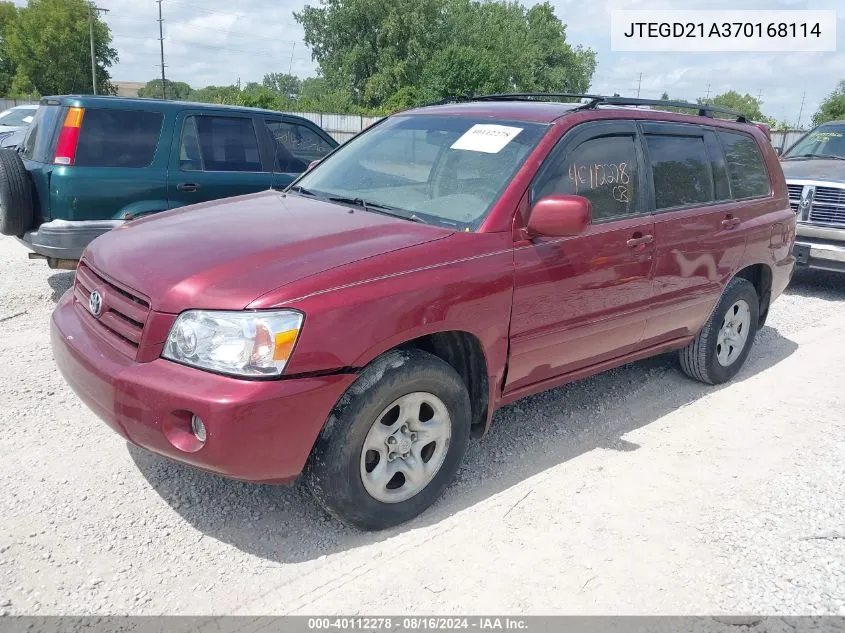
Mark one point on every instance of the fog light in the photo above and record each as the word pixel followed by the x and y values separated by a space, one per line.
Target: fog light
pixel 198 428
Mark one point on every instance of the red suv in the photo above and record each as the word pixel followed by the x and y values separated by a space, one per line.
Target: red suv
pixel 361 326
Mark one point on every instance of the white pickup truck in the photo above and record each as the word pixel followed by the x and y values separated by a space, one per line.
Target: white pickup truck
pixel 815 176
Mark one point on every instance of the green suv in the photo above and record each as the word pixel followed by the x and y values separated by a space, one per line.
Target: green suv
pixel 89 164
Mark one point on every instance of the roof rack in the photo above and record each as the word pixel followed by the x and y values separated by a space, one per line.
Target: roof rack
pixel 705 110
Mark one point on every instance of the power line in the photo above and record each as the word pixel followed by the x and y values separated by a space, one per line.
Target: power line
pixel 230 32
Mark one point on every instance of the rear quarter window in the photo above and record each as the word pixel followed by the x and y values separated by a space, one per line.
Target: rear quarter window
pixel 38 142
pixel 746 168
pixel 118 138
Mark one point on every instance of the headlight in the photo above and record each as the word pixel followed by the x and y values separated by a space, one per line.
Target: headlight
pixel 249 344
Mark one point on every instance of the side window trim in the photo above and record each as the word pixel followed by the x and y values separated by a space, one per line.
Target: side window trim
pixel 589 131
pixel 674 129
pixel 716 152
pixel 192 118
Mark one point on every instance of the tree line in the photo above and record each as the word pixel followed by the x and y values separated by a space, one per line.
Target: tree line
pixel 372 56
pixel 45 49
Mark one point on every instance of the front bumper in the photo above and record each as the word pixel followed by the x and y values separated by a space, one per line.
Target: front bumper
pixel 260 431
pixel 64 239
pixel 819 255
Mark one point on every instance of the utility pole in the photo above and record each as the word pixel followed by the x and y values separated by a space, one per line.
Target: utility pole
pixel 290 67
pixel 639 85
pixel 161 42
pixel 759 94
pixel 801 111
pixel 707 97
pixel 94 9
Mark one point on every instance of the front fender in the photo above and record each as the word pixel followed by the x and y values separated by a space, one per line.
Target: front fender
pixel 349 325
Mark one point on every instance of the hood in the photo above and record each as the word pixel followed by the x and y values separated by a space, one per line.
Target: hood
pixel 814 169
pixel 225 254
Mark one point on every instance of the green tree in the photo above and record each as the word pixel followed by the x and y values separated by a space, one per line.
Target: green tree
pixel 282 83
pixel 217 94
pixel 832 108
pixel 313 88
pixel 8 13
pixel 403 52
pixel 745 104
pixel 48 43
pixel 178 90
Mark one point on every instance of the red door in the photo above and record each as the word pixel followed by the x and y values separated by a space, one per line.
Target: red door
pixel 584 299
pixel 698 230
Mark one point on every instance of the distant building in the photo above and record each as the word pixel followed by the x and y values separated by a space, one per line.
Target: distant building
pixel 128 88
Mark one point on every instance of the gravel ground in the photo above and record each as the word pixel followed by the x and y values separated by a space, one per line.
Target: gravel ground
pixel 636 491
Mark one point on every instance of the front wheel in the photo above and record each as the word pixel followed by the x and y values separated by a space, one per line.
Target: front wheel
pixel 723 344
pixel 393 442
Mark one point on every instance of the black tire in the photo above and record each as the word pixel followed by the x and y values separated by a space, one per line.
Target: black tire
pixel 333 472
pixel 699 359
pixel 16 208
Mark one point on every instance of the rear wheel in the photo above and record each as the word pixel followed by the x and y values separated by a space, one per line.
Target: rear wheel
pixel 16 201
pixel 723 344
pixel 393 442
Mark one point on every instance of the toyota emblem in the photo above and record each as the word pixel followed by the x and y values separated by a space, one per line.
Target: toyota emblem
pixel 95 303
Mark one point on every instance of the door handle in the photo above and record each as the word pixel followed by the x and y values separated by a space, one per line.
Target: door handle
pixel 730 222
pixel 187 186
pixel 640 240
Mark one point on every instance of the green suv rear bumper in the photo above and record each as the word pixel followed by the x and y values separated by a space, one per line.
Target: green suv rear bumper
pixel 63 239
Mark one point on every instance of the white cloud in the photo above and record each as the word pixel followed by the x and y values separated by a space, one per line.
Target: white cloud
pixel 781 78
pixel 219 42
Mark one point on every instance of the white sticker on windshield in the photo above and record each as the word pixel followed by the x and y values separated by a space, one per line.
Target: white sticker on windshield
pixel 490 139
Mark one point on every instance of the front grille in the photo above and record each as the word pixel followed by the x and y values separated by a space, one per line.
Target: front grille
pixel 794 195
pixel 828 204
pixel 829 195
pixel 123 313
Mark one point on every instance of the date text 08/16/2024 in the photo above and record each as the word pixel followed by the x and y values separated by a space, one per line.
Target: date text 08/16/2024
pixel 416 624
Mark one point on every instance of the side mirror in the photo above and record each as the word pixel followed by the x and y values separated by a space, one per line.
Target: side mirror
pixel 778 151
pixel 559 216
pixel 312 165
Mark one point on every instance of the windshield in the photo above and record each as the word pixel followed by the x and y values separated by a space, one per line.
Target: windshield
pixel 444 170
pixel 16 117
pixel 824 141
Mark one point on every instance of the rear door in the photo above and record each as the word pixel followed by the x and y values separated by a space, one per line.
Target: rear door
pixel 699 232
pixel 584 299
pixel 216 155
pixel 297 144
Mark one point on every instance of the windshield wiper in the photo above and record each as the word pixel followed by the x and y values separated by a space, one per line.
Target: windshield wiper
pixel 386 209
pixel 822 156
pixel 303 191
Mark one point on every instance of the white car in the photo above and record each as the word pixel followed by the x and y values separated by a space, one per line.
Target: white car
pixel 16 118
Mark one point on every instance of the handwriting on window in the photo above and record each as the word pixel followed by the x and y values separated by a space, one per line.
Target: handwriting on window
pixel 614 176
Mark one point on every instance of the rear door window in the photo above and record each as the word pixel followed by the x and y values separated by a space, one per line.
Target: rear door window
pixel 118 138
pixel 681 170
pixel 219 143
pixel 38 142
pixel 748 174
pixel 297 146
pixel 603 170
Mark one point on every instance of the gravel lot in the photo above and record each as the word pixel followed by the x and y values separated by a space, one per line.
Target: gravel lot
pixel 637 491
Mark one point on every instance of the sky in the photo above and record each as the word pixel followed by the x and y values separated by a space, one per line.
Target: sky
pixel 220 41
